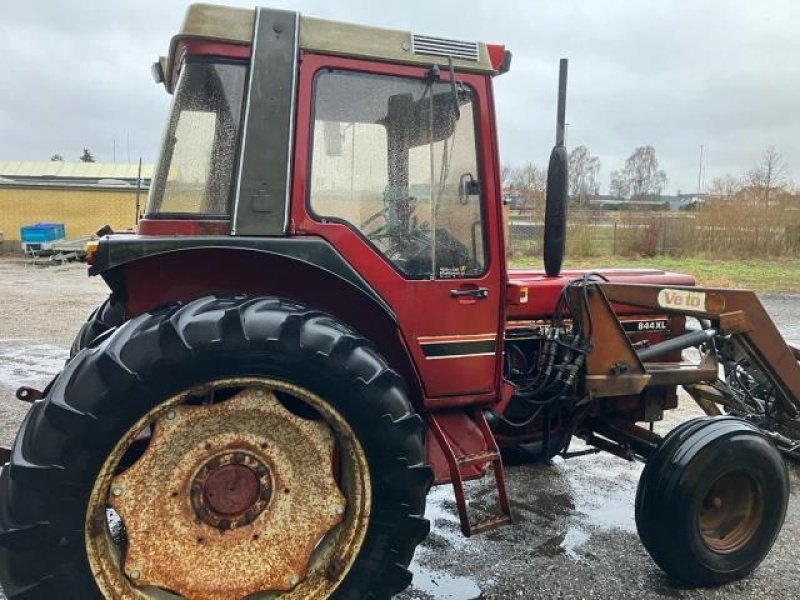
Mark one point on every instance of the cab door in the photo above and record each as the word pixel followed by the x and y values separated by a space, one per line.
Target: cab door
pixel 393 168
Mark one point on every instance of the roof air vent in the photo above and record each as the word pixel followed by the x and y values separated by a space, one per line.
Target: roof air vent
pixel 426 44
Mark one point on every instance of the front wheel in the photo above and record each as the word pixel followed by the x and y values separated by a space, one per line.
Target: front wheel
pixel 229 448
pixel 712 500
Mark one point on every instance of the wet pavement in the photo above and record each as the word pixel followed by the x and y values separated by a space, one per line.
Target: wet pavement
pixel 574 534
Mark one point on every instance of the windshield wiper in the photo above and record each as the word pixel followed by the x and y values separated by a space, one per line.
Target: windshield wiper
pixel 453 87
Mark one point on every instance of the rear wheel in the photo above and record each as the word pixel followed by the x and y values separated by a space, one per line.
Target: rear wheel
pixel 228 448
pixel 712 500
pixel 107 316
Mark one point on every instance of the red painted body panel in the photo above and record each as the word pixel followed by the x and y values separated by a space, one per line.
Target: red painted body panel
pixel 423 308
pixel 464 437
pixel 496 54
pixel 183 47
pixel 543 291
pixel 184 275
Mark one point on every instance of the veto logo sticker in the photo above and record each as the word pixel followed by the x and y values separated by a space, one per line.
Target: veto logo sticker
pixel 682 300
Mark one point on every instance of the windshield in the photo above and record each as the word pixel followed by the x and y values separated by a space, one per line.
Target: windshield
pixel 396 159
pixel 198 153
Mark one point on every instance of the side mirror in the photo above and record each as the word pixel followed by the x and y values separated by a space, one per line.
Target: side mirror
pixel 467 186
pixel 555 216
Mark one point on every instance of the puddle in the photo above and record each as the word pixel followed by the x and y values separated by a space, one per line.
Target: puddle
pixel 600 497
pixel 573 540
pixel 23 363
pixel 440 510
pixel 441 585
pixel 606 510
pixel 445 538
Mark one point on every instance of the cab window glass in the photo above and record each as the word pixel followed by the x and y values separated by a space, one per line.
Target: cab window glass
pixel 194 173
pixel 396 158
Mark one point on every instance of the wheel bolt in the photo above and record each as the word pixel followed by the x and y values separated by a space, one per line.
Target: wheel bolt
pixel 116 490
pixel 171 414
pixel 134 574
pixel 293 580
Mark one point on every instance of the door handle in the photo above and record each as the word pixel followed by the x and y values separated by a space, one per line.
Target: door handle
pixel 473 293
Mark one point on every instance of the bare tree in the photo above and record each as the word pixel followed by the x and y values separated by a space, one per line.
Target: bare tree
pixel 641 173
pixel 619 187
pixel 583 170
pixel 506 171
pixel 769 176
pixel 86 156
pixel 725 187
pixel 530 182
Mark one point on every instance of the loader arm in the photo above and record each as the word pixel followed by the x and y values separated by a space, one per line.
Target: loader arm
pixel 737 313
pixel 746 368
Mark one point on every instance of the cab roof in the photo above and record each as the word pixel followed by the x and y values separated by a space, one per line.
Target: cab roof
pixel 235 25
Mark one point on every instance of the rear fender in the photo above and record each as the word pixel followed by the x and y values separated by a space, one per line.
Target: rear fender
pixel 145 281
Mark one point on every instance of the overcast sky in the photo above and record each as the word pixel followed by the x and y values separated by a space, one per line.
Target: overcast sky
pixel 672 74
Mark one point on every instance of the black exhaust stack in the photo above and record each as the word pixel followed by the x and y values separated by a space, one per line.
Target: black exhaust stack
pixel 555 217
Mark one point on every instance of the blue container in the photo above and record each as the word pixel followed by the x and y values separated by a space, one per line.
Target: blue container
pixel 42 232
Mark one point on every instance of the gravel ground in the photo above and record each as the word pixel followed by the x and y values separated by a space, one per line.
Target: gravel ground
pixel 574 534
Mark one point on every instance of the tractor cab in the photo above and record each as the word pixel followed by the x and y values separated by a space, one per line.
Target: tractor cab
pixel 376 147
pixel 382 127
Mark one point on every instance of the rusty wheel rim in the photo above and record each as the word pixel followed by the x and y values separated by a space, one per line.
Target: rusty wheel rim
pixel 246 488
pixel 731 512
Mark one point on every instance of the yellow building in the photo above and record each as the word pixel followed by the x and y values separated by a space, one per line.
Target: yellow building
pixel 83 196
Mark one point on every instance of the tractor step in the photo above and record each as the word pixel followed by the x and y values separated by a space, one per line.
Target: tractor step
pixel 459 463
pixel 489 523
pixel 478 458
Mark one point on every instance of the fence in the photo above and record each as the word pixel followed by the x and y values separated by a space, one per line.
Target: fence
pixel 726 232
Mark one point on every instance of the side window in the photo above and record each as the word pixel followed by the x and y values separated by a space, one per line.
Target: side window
pixel 396 159
pixel 198 153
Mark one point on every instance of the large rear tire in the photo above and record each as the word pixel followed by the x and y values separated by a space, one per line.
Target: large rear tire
pixel 76 456
pixel 712 500
pixel 107 316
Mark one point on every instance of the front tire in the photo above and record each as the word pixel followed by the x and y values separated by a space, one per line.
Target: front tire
pixel 109 394
pixel 712 500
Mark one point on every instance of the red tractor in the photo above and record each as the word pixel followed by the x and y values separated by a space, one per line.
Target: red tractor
pixel 315 323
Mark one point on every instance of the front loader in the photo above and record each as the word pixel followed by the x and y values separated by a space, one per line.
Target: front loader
pixel 315 322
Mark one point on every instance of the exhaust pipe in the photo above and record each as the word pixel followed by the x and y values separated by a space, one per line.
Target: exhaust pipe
pixel 555 216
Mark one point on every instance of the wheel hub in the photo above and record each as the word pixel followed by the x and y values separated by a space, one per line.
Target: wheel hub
pixel 229 499
pixel 731 512
pixel 231 490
